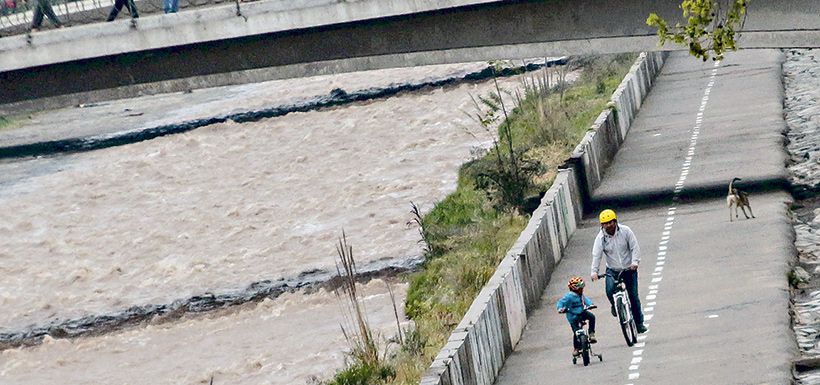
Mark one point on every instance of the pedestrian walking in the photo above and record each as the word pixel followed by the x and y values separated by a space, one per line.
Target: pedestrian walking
pixel 171 6
pixel 118 4
pixel 43 8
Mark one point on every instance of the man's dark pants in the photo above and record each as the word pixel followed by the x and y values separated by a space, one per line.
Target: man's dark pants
pixel 118 4
pixel 631 280
pixel 43 8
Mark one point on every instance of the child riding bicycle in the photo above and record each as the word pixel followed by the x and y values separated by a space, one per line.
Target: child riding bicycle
pixel 575 305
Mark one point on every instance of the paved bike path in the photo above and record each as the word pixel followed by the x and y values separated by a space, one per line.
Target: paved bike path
pixel 714 292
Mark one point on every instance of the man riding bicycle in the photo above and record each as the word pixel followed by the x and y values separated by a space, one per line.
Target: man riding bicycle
pixel 619 245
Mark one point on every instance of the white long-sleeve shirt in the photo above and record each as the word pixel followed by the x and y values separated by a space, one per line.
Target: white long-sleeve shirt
pixel 621 249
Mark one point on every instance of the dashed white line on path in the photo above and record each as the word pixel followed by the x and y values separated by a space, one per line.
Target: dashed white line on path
pixel 649 309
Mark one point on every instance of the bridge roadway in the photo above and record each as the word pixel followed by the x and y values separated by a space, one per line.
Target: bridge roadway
pixel 297 38
pixel 715 293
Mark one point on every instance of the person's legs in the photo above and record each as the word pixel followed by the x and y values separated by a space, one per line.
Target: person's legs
pixel 115 10
pixel 575 343
pixel 171 6
pixel 132 9
pixel 49 12
pixel 37 19
pixel 589 317
pixel 610 289
pixel 631 281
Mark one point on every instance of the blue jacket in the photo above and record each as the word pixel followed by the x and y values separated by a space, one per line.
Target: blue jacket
pixel 574 305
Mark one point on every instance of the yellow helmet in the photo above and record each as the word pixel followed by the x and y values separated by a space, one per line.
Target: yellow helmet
pixel 606 216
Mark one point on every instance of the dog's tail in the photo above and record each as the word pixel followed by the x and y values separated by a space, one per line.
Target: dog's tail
pixel 731 183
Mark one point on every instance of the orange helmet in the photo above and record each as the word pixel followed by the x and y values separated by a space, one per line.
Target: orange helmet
pixel 575 283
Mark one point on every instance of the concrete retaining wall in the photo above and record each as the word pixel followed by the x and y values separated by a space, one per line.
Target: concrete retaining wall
pixel 493 325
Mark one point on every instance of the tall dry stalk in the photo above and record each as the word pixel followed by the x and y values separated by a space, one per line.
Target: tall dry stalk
pixel 395 312
pixel 359 335
pixel 418 220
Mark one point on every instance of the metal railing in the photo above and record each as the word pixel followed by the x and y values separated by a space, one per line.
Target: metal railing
pixel 16 15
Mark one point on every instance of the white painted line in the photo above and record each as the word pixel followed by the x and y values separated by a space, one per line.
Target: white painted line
pixel 633 367
pixel 637 352
pixel 661 253
pixel 640 344
pixel 661 258
pixel 713 316
pixel 657 273
pixel 648 317
pixel 661 248
pixel 655 291
pixel 648 309
pixel 657 280
pixel 634 376
pixel 659 268
pixel 653 287
pixel 636 360
pixel 651 297
pixel 651 304
pixel 641 337
pixel 660 263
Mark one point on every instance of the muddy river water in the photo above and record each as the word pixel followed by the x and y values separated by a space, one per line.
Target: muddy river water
pixel 213 210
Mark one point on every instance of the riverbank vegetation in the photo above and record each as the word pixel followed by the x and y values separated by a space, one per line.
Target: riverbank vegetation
pixel 7 122
pixel 468 233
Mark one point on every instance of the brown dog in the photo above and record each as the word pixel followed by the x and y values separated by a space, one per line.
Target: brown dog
pixel 737 199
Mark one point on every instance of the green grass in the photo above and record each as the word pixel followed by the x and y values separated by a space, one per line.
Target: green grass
pixel 468 237
pixel 361 373
pixel 10 121
pixel 5 122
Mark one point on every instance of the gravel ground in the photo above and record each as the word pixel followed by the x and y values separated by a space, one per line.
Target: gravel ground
pixel 801 74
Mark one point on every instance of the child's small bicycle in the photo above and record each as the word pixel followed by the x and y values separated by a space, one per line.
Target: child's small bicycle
pixel 583 339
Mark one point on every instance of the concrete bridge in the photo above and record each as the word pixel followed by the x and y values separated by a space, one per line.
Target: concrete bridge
pixel 270 40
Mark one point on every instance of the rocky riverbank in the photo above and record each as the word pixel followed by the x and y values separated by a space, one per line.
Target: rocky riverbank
pixel 801 78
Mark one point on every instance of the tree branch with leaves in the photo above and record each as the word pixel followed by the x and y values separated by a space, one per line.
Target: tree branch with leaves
pixel 712 28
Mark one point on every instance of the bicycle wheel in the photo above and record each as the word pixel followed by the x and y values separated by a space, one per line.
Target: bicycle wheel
pixel 634 330
pixel 585 349
pixel 624 319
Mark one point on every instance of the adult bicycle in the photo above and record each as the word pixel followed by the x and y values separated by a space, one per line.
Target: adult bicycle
pixel 623 310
